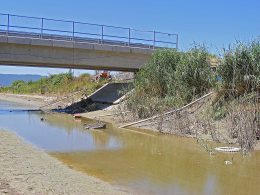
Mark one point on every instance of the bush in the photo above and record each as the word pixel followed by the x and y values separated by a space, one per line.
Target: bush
pixel 240 69
pixel 156 77
pixel 194 75
pixel 153 83
pixel 170 79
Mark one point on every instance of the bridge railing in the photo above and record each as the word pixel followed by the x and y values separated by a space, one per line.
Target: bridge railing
pixel 46 28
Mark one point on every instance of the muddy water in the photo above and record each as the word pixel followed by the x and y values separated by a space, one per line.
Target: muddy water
pixel 147 163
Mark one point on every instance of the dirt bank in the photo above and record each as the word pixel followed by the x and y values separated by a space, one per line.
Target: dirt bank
pixel 32 101
pixel 25 169
pixel 109 115
pixel 45 102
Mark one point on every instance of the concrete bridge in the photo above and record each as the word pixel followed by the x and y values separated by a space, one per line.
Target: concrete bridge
pixel 44 42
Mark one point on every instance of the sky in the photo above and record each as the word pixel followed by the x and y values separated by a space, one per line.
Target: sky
pixel 215 23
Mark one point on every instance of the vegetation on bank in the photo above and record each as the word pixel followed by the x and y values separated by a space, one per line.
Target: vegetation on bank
pixel 238 93
pixel 57 84
pixel 172 79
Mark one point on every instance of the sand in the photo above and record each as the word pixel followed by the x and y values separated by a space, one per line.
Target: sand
pixel 25 169
pixel 30 101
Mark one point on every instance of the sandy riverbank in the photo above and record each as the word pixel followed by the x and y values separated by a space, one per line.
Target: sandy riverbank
pixel 46 102
pixel 110 117
pixel 25 169
pixel 32 101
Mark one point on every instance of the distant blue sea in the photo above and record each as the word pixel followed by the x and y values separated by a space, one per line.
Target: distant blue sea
pixel 8 79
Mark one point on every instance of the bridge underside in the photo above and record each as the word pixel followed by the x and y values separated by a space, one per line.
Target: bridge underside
pixel 20 51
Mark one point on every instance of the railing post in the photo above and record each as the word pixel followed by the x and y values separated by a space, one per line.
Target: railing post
pixel 102 34
pixel 42 28
pixel 154 39
pixel 8 24
pixel 73 30
pixel 177 41
pixel 129 36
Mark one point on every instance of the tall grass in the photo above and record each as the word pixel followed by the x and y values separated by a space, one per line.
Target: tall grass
pixel 239 92
pixel 240 69
pixel 170 79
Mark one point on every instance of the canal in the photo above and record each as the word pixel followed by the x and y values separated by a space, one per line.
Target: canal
pixel 147 163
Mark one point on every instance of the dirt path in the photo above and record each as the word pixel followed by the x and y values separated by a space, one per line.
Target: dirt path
pixel 25 169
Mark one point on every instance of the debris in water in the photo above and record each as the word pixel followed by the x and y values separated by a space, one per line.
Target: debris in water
pixel 98 125
pixel 227 149
pixel 227 162
pixel 77 116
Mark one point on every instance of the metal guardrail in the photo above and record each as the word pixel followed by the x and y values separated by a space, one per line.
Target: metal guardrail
pixel 47 28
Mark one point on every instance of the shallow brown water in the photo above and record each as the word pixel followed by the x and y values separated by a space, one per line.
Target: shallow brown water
pixel 147 163
pixel 167 165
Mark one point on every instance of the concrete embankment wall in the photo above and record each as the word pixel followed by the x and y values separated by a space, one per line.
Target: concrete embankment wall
pixel 110 93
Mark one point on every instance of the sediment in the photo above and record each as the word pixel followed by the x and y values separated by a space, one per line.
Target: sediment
pixel 25 169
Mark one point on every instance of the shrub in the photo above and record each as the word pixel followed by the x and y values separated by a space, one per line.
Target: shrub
pixel 170 79
pixel 156 77
pixel 240 69
pixel 153 83
pixel 193 75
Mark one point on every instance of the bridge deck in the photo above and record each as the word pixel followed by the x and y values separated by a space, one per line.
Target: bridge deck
pixel 46 28
pixel 76 39
pixel 44 42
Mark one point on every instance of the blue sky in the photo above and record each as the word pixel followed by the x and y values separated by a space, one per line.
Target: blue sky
pixel 214 23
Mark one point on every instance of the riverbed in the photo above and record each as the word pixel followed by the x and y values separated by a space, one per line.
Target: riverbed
pixel 146 163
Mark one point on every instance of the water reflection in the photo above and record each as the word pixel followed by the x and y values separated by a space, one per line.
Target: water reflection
pixel 58 132
pixel 155 164
pixel 167 165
